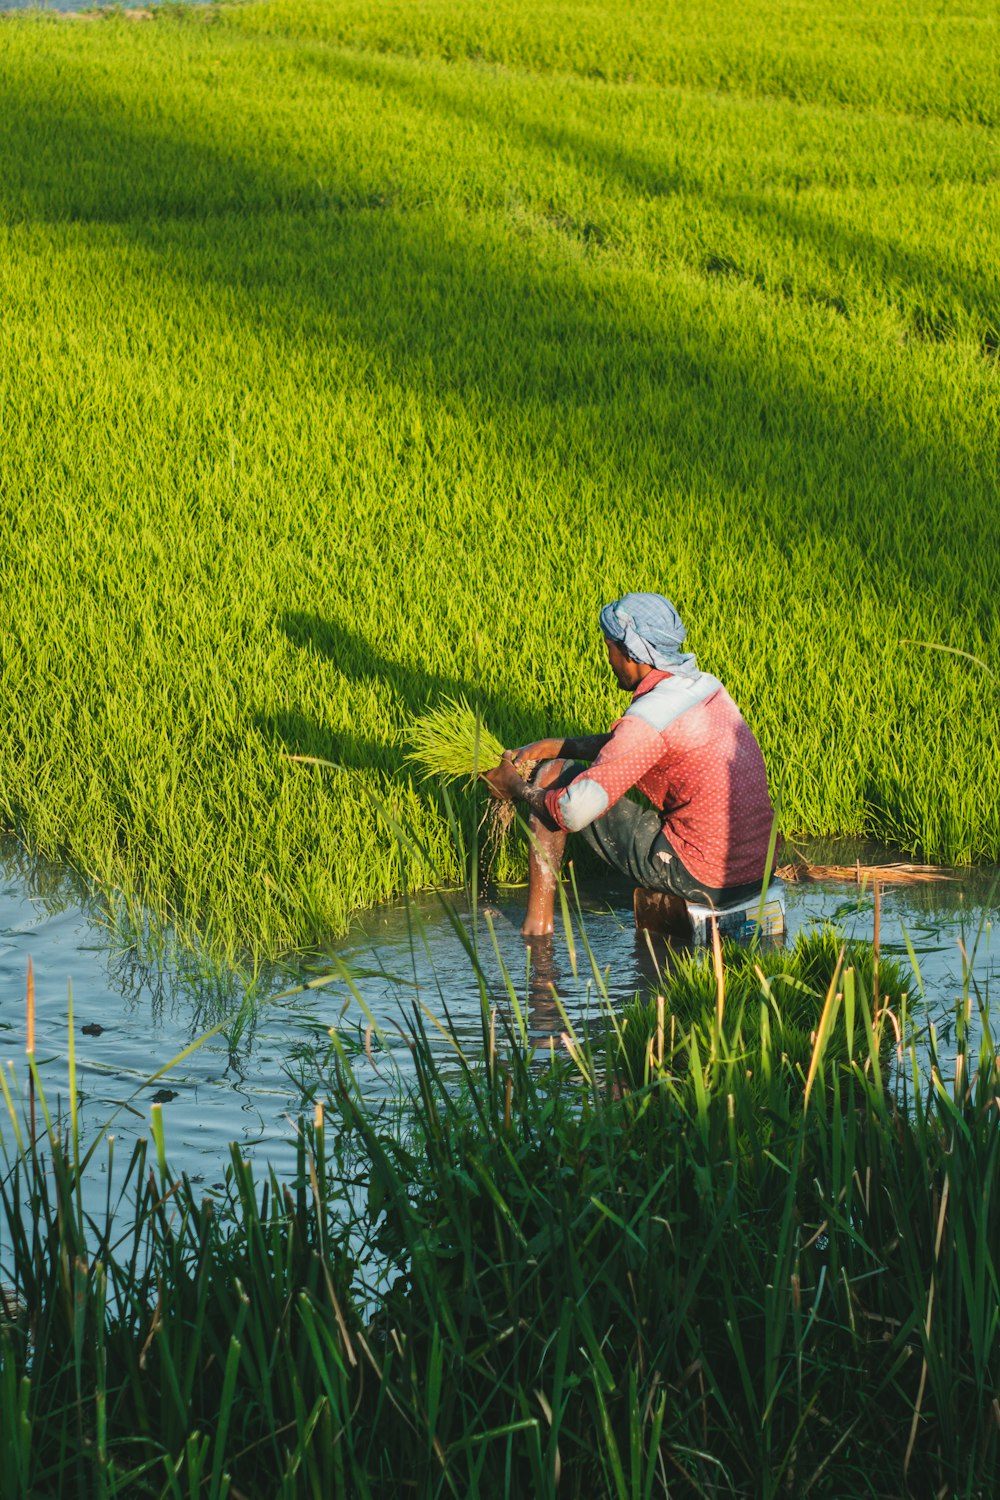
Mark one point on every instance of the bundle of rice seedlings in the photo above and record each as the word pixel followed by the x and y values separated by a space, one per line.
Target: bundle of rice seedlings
pixel 451 740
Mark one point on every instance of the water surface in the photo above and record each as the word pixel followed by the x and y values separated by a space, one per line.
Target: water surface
pixel 137 1005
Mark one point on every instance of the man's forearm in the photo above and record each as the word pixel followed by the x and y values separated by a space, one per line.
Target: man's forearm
pixel 587 747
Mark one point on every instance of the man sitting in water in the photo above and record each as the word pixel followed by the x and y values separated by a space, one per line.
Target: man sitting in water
pixel 683 743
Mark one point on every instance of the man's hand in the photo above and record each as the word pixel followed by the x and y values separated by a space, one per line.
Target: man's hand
pixel 539 750
pixel 504 781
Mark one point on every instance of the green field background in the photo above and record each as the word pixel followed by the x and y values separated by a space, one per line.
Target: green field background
pixel 352 354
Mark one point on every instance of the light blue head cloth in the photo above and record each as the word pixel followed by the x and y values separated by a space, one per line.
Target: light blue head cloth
pixel 649 629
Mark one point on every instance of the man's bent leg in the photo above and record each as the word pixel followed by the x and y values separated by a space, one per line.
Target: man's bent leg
pixel 545 856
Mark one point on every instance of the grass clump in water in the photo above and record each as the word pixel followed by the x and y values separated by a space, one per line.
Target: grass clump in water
pixel 773 997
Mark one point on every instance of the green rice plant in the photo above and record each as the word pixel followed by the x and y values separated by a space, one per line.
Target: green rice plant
pixel 451 741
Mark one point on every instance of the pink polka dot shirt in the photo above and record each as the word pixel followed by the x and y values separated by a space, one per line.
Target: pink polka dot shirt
pixel 685 745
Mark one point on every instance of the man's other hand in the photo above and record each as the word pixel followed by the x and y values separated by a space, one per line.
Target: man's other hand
pixel 504 781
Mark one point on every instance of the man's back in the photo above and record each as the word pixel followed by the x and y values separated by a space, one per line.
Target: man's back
pixel 685 745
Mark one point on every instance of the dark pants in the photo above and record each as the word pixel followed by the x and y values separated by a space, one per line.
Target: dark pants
pixel 631 839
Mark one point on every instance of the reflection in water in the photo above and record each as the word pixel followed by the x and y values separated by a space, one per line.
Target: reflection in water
pixel 544 977
pixel 646 959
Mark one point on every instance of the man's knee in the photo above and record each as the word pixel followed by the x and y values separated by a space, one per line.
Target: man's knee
pixel 550 773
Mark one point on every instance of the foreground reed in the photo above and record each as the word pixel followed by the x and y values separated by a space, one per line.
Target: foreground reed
pixel 678 1258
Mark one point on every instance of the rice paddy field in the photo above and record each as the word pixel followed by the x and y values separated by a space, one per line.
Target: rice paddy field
pixel 353 354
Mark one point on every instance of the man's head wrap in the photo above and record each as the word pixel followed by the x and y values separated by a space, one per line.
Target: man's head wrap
pixel 649 629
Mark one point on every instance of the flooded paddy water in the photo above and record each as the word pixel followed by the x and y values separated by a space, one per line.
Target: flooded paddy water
pixel 135 1011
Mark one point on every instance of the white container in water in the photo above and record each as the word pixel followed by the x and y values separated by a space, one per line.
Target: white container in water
pixel 743 920
pixel 690 921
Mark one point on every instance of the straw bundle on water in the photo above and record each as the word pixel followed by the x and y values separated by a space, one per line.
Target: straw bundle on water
pixel 889 874
pixel 451 740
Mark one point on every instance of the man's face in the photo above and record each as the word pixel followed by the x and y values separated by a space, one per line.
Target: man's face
pixel 627 673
